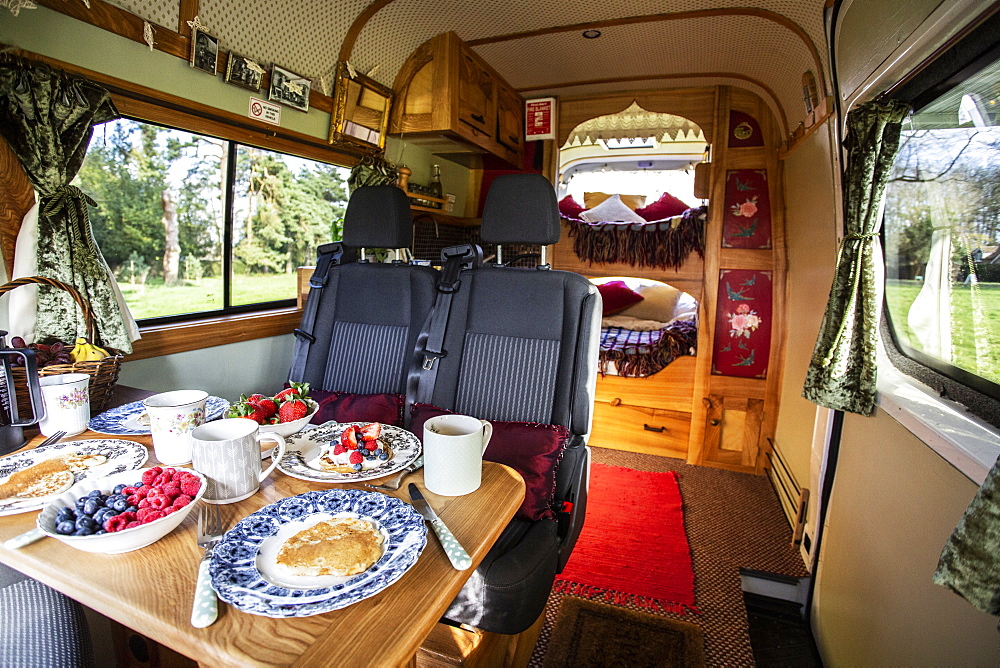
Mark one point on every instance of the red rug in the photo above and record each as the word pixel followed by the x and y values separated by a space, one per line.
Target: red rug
pixel 633 547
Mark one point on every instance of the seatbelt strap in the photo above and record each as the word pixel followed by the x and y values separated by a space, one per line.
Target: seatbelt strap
pixel 330 254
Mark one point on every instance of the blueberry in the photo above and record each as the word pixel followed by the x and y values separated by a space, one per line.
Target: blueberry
pixel 119 503
pixel 65 528
pixel 94 492
pixel 86 523
pixel 99 532
pixel 131 509
pixel 356 467
pixel 82 532
pixel 91 506
pixel 119 488
pixel 79 502
pixel 383 456
pixel 65 514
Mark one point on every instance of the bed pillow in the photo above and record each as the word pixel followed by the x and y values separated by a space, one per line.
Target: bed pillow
pixel 347 407
pixel 659 301
pixel 590 200
pixel 534 450
pixel 665 207
pixel 612 210
pixel 617 296
pixel 569 207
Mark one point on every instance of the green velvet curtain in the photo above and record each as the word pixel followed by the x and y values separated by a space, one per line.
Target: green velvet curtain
pixel 842 372
pixel 47 117
pixel 372 171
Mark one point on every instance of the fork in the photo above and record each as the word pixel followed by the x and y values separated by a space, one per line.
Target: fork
pixel 393 485
pixel 210 530
pixel 52 439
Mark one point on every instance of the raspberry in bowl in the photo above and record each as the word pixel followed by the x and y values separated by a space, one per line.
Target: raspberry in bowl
pixel 123 511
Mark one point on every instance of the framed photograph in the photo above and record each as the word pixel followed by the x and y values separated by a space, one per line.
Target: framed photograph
pixel 360 111
pixel 289 88
pixel 244 72
pixel 204 51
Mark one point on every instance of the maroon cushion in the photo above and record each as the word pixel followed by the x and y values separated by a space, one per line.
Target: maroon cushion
pixel 347 407
pixel 617 296
pixel 534 450
pixel 665 207
pixel 570 208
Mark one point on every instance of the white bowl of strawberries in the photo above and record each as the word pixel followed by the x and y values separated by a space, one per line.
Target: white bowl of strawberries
pixel 286 413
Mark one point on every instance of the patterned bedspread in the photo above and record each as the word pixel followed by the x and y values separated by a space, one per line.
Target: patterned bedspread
pixel 636 353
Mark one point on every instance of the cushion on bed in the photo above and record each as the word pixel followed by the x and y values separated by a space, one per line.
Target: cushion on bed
pixel 532 449
pixel 347 407
pixel 665 207
pixel 570 208
pixel 617 296
pixel 611 210
pixel 590 200
pixel 659 302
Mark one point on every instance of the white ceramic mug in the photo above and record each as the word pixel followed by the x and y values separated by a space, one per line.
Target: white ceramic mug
pixel 66 397
pixel 227 453
pixel 172 418
pixel 453 453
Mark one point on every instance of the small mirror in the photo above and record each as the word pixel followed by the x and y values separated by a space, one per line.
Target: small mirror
pixel 360 111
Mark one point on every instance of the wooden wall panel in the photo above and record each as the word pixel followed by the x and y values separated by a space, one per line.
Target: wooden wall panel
pixel 16 198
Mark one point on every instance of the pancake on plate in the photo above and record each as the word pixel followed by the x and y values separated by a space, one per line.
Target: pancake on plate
pixel 48 477
pixel 339 546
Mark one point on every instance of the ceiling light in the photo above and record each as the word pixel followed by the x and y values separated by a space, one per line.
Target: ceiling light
pixel 591 34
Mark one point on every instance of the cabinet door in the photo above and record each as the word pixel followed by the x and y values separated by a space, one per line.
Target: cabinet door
pixel 510 117
pixel 732 431
pixel 476 95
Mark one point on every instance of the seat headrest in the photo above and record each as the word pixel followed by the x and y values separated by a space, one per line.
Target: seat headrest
pixel 521 209
pixel 378 217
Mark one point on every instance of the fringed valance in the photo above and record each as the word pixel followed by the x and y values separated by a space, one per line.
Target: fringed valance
pixel 663 244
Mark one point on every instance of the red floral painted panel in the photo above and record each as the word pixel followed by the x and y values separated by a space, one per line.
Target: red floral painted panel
pixel 743 319
pixel 744 130
pixel 746 221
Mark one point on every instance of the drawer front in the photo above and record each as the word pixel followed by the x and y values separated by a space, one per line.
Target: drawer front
pixel 640 429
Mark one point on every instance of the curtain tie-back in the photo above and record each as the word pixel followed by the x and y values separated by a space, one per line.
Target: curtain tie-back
pixel 860 237
pixel 61 198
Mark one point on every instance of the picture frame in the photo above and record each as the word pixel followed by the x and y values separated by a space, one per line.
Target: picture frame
pixel 204 51
pixel 361 108
pixel 244 72
pixel 289 88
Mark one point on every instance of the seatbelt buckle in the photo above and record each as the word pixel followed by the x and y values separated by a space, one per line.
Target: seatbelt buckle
pixel 304 335
pixel 430 358
pixel 567 507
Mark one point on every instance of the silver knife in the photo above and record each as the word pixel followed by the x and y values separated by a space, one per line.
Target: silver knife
pixel 460 559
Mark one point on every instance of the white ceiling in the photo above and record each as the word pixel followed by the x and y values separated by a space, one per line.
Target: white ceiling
pixel 644 43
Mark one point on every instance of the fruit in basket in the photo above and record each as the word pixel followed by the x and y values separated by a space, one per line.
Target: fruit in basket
pixel 84 351
pixel 45 354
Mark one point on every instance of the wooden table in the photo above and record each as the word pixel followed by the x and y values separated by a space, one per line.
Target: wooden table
pixel 151 589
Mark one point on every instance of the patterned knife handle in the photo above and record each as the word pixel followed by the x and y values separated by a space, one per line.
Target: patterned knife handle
pixel 206 606
pixel 459 558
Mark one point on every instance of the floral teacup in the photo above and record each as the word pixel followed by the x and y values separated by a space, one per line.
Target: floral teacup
pixel 67 403
pixel 172 418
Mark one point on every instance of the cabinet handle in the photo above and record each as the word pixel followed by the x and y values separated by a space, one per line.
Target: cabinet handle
pixel 713 422
pixel 615 402
pixel 514 139
pixel 478 118
pixel 658 430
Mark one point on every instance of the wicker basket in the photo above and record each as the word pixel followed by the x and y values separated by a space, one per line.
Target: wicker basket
pixel 103 373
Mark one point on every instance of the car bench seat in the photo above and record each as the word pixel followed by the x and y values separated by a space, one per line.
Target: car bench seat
pixel 362 319
pixel 522 345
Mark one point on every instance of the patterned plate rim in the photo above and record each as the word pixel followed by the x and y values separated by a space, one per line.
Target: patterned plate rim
pixel 408 534
pixel 294 465
pixel 214 407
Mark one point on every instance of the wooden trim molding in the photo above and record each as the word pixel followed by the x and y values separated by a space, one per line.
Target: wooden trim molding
pixel 347 46
pixel 182 337
pixel 16 199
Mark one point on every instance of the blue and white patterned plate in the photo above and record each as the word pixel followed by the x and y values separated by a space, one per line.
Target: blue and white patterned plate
pixel 127 420
pixel 121 456
pixel 237 574
pixel 304 448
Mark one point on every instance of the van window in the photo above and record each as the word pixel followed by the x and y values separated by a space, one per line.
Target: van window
pixel 941 234
pixel 194 225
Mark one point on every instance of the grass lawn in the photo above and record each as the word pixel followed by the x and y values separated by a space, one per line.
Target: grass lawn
pixel 966 329
pixel 154 299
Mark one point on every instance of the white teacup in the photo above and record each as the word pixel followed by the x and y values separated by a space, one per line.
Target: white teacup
pixel 172 418
pixel 227 453
pixel 66 397
pixel 453 453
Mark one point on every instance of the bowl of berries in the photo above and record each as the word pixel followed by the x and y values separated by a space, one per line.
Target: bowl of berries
pixel 123 511
pixel 286 413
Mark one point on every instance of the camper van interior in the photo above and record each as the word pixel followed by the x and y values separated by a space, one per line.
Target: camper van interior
pixel 571 333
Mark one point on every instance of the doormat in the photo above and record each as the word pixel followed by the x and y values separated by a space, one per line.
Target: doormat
pixel 633 548
pixel 587 633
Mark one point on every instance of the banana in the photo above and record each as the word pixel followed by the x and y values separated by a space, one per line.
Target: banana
pixel 87 352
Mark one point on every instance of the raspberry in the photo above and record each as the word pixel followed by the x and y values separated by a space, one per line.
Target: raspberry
pixel 133 524
pixel 169 472
pixel 162 479
pixel 181 501
pixel 158 502
pixel 178 476
pixel 143 491
pixel 152 516
pixel 152 492
pixel 133 499
pixel 189 477
pixel 171 489
pixel 116 523
pixel 356 457
pixel 144 503
pixel 371 445
pixel 128 515
pixel 143 513
pixel 339 449
pixel 129 491
pixel 190 488
pixel 150 475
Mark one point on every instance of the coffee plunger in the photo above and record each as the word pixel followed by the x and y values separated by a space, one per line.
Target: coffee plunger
pixel 11 423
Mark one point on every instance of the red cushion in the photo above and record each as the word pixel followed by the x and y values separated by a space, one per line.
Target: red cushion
pixel 665 207
pixel 617 296
pixel 569 207
pixel 347 407
pixel 533 450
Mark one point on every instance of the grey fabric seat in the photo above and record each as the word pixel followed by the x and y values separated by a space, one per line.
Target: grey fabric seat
pixel 522 346
pixel 367 315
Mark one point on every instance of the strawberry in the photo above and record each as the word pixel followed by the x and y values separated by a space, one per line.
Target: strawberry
pixel 371 431
pixel 292 409
pixel 245 409
pixel 267 405
pixel 349 439
pixel 299 389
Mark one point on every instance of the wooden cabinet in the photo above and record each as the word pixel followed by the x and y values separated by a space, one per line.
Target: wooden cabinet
pixel 450 102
